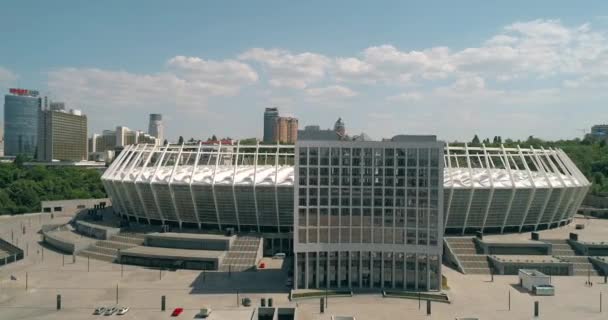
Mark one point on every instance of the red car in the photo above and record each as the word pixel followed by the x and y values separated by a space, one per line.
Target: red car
pixel 177 311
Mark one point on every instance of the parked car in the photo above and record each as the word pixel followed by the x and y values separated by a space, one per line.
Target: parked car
pixel 205 312
pixel 99 310
pixel 111 311
pixel 279 255
pixel 122 311
pixel 246 302
pixel 176 312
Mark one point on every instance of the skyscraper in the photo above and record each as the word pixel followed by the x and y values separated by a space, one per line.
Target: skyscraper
pixel 270 121
pixel 285 130
pixel 62 135
pixel 21 107
pixel 155 127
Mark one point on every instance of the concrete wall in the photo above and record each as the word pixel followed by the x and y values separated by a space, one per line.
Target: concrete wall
pixel 95 231
pixel 158 240
pixel 71 206
pixel 58 243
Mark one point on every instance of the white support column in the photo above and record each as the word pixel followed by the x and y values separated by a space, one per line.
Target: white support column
pixel 561 162
pixel 513 190
pixel 126 167
pixel 466 217
pixel 234 172
pixel 451 182
pixel 194 167
pixel 491 197
pixel 217 162
pixel 121 164
pixel 137 179
pixel 152 178
pixel 128 174
pixel 542 167
pixel 276 189
pixel 255 194
pixel 582 182
pixel 114 183
pixel 523 160
pixel 171 191
pixel 556 172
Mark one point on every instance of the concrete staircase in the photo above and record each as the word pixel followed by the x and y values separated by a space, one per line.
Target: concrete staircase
pixel 466 252
pixel 107 250
pixel 243 254
pixel 582 265
pixel 561 247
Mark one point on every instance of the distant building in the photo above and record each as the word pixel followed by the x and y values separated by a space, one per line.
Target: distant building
pixel 156 128
pixel 121 137
pixel 1 141
pixel 62 135
pixel 285 130
pixel 599 131
pixel 270 121
pixel 315 133
pixel 21 107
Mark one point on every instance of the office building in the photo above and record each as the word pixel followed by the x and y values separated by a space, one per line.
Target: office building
pixel 62 135
pixel 369 214
pixel 1 140
pixel 599 131
pixel 270 122
pixel 21 108
pixel 285 130
pixel 155 127
pixel 119 138
pixel 315 132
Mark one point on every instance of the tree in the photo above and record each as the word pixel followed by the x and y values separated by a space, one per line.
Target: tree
pixel 180 140
pixel 165 142
pixel 213 138
pixel 475 140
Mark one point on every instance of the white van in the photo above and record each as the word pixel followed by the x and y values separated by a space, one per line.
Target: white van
pixel 279 255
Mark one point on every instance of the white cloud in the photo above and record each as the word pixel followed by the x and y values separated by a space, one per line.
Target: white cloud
pixel 405 97
pixel 286 69
pixel 188 83
pixel 7 76
pixel 331 92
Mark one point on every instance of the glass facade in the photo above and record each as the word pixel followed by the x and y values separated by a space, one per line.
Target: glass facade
pixel 362 208
pixel 21 125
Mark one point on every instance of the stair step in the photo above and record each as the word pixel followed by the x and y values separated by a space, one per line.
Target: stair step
pixel 97 256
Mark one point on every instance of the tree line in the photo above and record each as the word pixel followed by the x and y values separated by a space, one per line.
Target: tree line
pixel 23 187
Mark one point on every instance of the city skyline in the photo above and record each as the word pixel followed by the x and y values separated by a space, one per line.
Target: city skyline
pixel 499 72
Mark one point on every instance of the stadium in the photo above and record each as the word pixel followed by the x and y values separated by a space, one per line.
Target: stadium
pixel 250 187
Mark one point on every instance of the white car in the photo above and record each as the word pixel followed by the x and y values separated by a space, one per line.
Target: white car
pixel 99 310
pixel 122 311
pixel 110 311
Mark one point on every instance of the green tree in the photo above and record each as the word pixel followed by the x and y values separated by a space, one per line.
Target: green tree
pixel 475 140
pixel 180 140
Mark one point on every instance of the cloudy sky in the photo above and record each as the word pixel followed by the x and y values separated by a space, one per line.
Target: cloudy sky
pixel 453 68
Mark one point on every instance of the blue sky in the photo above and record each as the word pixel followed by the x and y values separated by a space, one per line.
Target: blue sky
pixel 451 68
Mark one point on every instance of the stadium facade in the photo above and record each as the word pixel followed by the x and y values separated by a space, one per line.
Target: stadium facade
pixel 355 214
pixel 251 188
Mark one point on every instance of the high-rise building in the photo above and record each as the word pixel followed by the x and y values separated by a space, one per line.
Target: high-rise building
pixel 285 130
pixel 155 128
pixel 1 140
pixel 379 225
pixel 62 135
pixel 21 108
pixel 270 122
